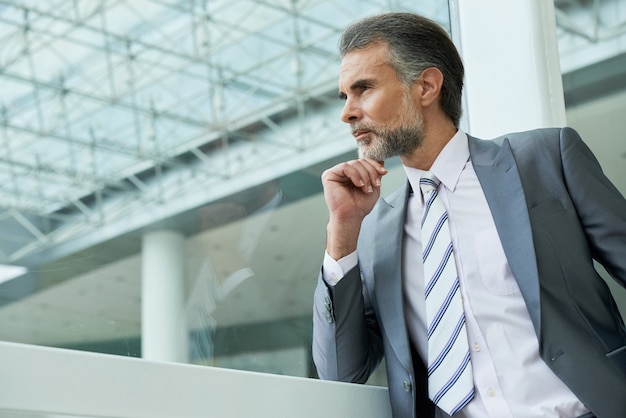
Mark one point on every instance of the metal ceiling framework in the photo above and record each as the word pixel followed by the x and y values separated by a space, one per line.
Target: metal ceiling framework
pixel 117 113
pixel 589 31
pixel 586 19
pixel 119 109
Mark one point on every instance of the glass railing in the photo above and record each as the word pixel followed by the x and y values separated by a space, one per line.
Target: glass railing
pixel 212 122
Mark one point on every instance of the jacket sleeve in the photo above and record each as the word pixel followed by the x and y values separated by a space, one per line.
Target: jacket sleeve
pixel 347 345
pixel 601 208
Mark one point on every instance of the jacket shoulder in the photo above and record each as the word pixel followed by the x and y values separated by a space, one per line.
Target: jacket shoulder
pixel 541 134
pixel 536 142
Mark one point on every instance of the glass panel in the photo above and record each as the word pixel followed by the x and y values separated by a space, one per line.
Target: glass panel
pixel 212 119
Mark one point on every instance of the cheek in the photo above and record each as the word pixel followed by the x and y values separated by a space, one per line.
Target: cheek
pixel 382 111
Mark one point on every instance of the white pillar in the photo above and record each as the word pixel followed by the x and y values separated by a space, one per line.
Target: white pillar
pixel 163 334
pixel 513 76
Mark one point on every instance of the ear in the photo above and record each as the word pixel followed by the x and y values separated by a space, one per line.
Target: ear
pixel 428 86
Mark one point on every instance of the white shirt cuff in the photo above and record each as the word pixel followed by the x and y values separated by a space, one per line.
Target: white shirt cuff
pixel 333 270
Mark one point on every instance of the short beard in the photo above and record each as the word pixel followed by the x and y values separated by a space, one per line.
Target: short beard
pixel 391 142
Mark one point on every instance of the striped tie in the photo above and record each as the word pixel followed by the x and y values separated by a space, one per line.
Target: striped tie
pixel 450 382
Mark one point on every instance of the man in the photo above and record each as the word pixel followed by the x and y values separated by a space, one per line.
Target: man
pixel 537 331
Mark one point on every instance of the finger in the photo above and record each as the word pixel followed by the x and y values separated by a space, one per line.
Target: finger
pixel 364 174
pixel 349 173
pixel 378 165
pixel 374 169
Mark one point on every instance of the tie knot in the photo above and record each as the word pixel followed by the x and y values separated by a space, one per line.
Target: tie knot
pixel 428 183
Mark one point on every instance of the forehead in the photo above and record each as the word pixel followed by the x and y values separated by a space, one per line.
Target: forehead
pixel 367 63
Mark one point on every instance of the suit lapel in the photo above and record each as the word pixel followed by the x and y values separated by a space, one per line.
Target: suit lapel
pixel 387 267
pixel 499 177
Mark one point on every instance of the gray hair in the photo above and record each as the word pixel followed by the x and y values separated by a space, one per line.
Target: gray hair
pixel 415 43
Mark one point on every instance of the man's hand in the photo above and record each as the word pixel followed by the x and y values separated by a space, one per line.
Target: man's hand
pixel 351 190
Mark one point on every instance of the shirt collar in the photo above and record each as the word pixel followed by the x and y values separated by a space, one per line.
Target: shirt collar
pixel 448 165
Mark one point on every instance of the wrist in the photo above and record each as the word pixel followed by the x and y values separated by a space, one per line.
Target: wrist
pixel 341 238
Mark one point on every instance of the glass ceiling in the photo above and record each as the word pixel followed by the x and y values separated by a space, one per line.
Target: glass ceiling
pixel 112 110
pixel 115 114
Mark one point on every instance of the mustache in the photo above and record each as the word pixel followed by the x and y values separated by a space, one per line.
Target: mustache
pixel 361 127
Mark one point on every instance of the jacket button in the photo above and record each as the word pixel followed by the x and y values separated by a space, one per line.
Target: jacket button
pixel 407 386
pixel 328 310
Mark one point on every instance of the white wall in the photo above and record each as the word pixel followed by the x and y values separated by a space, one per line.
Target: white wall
pixel 512 74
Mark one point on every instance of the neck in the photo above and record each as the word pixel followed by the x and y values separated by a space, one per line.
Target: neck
pixel 436 136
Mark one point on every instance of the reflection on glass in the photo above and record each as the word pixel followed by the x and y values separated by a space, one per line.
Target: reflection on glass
pixel 226 264
pixel 214 121
pixel 251 263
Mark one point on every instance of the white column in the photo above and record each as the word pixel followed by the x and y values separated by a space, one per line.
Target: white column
pixel 163 333
pixel 513 76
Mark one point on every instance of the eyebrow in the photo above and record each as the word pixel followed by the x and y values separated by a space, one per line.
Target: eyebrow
pixel 355 86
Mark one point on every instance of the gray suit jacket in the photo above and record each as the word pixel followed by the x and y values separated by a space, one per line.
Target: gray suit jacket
pixel 555 213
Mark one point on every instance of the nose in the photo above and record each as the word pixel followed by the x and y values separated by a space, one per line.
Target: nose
pixel 351 112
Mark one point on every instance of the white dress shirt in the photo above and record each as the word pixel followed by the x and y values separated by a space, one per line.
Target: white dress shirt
pixel 510 378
